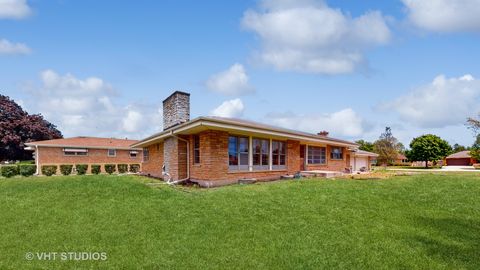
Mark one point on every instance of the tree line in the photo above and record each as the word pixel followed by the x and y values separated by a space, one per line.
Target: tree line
pixel 425 148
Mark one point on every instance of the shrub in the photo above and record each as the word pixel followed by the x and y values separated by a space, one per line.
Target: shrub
pixel 81 169
pixel 110 168
pixel 49 170
pixel 9 170
pixel 134 168
pixel 122 168
pixel 95 169
pixel 66 169
pixel 27 169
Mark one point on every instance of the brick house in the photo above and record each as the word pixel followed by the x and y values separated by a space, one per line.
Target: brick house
pixel 462 158
pixel 85 150
pixel 213 151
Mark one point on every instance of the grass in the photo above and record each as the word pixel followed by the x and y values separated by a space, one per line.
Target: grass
pixel 421 221
pixel 410 167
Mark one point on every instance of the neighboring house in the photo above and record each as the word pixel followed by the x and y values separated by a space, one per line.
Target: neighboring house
pixel 85 150
pixel 362 160
pixel 401 159
pixel 462 158
pixel 213 151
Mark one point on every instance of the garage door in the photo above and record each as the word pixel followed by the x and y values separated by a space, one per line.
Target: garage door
pixel 458 162
pixel 361 162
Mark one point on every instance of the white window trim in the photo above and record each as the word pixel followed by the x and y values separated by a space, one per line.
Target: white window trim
pixel 270 156
pixel 326 155
pixel 108 152
pixel 76 151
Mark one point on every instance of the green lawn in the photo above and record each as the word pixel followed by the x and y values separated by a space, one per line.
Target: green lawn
pixel 427 221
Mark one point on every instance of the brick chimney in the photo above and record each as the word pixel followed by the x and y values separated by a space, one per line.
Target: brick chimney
pixel 323 133
pixel 176 109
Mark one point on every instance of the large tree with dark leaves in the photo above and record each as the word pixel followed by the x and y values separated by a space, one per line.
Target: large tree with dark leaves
pixel 428 148
pixel 18 127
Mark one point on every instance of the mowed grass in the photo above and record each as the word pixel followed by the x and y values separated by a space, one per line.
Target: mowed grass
pixel 425 221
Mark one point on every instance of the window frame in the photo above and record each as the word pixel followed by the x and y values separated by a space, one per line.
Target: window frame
pixel 114 152
pixel 238 153
pixel 332 153
pixel 135 152
pixel 279 155
pixel 76 153
pixel 146 154
pixel 312 159
pixel 196 149
pixel 263 156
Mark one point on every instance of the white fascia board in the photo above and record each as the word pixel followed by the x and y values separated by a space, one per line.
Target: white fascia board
pixel 270 132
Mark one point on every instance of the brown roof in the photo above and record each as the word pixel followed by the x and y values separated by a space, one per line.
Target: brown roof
pixel 462 154
pixel 86 142
pixel 366 153
pixel 401 156
pixel 241 123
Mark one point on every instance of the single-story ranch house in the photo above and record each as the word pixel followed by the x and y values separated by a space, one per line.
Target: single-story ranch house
pixel 213 151
pixel 85 150
pixel 462 158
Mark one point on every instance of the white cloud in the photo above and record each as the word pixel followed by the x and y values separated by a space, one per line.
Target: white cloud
pixel 14 9
pixel 229 108
pixel 345 123
pixel 233 81
pixel 7 47
pixel 444 15
pixel 443 102
pixel 132 121
pixel 89 107
pixel 309 36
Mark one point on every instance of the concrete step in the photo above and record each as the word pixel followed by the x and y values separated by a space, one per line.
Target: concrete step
pixel 321 174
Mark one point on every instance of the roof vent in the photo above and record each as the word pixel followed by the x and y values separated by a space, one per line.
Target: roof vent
pixel 323 133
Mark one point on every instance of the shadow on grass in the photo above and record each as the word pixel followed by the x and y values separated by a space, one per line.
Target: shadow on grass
pixel 453 241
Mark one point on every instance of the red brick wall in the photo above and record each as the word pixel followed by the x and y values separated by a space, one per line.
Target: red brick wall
pixel 55 156
pixel 332 165
pixel 213 164
pixel 293 156
pixel 155 162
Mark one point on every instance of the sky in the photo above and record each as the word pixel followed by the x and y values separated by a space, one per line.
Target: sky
pixel 103 68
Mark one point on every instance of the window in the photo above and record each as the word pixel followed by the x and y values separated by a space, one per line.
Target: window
pixel 133 154
pixel 336 153
pixel 278 155
pixel 196 149
pixel 238 149
pixel 261 151
pixel 317 155
pixel 75 152
pixel 146 154
pixel 112 152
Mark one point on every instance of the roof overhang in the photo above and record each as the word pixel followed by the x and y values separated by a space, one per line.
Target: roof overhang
pixel 201 124
pixel 80 146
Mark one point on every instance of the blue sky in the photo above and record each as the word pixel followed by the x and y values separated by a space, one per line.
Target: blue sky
pixel 102 68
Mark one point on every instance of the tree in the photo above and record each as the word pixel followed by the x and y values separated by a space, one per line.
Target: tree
pixel 18 127
pixel 475 149
pixel 400 147
pixel 364 145
pixel 473 124
pixel 429 148
pixel 459 148
pixel 386 147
